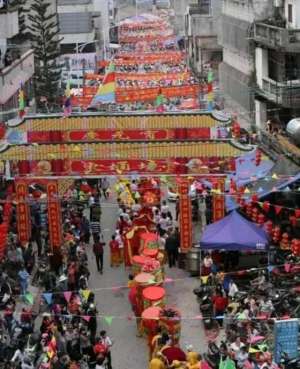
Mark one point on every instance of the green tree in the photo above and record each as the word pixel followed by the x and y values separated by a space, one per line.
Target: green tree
pixel 45 41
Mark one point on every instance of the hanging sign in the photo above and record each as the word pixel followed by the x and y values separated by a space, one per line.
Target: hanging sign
pixel 23 212
pixel 185 216
pixel 54 215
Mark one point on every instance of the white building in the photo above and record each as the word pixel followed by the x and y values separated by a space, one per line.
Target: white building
pixel 277 64
pixel 237 71
pixel 201 29
pixel 16 64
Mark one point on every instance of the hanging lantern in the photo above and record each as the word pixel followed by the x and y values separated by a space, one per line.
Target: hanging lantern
pixel 276 234
pixel 249 210
pixel 268 227
pixel 260 219
pixel 294 247
pixel 258 156
pixel 293 220
pixel 242 203
pixel 284 244
pixel 266 206
pixel 254 198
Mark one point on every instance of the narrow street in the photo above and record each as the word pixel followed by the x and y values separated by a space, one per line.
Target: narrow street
pixel 114 302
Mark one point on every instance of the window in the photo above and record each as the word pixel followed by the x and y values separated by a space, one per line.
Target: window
pixel 290 13
pixel 205 7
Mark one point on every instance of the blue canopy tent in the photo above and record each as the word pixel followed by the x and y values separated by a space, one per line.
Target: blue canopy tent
pixel 234 233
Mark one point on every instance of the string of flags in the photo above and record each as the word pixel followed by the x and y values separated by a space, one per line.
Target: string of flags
pixel 48 296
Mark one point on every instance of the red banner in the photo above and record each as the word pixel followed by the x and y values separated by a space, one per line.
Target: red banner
pixel 23 212
pixel 54 215
pixel 72 167
pixel 117 135
pixel 218 199
pixel 185 216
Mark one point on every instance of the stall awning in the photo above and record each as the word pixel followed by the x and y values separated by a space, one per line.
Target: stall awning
pixel 234 232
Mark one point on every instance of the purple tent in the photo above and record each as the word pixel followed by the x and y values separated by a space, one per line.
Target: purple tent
pixel 234 232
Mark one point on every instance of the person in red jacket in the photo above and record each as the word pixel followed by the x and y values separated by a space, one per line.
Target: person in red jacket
pixel 220 304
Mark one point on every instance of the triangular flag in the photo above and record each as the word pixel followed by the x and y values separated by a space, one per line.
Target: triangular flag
pixel 247 190
pixel 270 268
pixel 86 294
pixel 274 189
pixel 108 319
pixel 260 189
pixel 86 318
pixel 48 297
pixel 67 295
pixel 169 280
pixel 28 298
pixel 275 176
pixel 253 350
pixel 278 209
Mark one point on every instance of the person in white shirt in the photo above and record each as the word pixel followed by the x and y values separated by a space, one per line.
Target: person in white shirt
pixel 233 289
pixel 165 207
pixel 107 342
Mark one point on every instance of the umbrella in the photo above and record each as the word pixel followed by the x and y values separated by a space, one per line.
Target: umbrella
pixel 255 339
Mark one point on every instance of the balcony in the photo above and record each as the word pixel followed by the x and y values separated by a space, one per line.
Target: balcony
pixel 286 94
pixel 274 37
pixel 9 23
pixel 11 77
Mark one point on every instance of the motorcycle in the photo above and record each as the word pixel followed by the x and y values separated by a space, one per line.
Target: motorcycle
pixel 287 363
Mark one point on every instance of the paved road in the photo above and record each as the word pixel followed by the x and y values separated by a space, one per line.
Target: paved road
pixel 130 352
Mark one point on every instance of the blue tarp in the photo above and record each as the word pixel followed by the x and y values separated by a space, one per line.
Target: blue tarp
pixel 234 232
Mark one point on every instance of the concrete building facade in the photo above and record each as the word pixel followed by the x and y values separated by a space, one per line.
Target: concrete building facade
pixel 237 71
pixel 202 26
pixel 16 63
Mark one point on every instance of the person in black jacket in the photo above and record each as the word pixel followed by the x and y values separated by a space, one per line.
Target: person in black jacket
pixel 172 248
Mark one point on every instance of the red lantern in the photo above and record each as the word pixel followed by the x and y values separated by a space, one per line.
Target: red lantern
pixel 254 198
pixel 297 213
pixel 266 206
pixel 294 244
pixel 258 156
pixel 260 219
pixel 284 244
pixel 293 220
pixel 242 203
pixel 232 187
pixel 268 226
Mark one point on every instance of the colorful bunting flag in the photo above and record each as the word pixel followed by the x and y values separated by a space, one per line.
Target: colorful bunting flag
pixel 67 295
pixel 86 318
pixel 106 93
pixel 108 320
pixel 48 297
pixel 28 298
pixel 86 294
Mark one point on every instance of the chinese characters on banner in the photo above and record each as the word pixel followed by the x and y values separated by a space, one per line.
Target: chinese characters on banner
pixel 185 216
pixel 54 215
pixel 218 198
pixel 23 212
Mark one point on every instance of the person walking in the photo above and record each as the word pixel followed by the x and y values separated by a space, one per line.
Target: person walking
pixel 105 187
pixel 114 252
pixel 107 342
pixel 172 247
pixel 98 249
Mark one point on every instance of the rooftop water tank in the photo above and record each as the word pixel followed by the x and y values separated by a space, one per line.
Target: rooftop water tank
pixel 293 130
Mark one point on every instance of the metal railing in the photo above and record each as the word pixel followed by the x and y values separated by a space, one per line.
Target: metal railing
pixel 283 93
pixel 276 36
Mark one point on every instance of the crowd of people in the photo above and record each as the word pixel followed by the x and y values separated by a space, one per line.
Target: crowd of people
pixel 164 82
pixel 164 67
